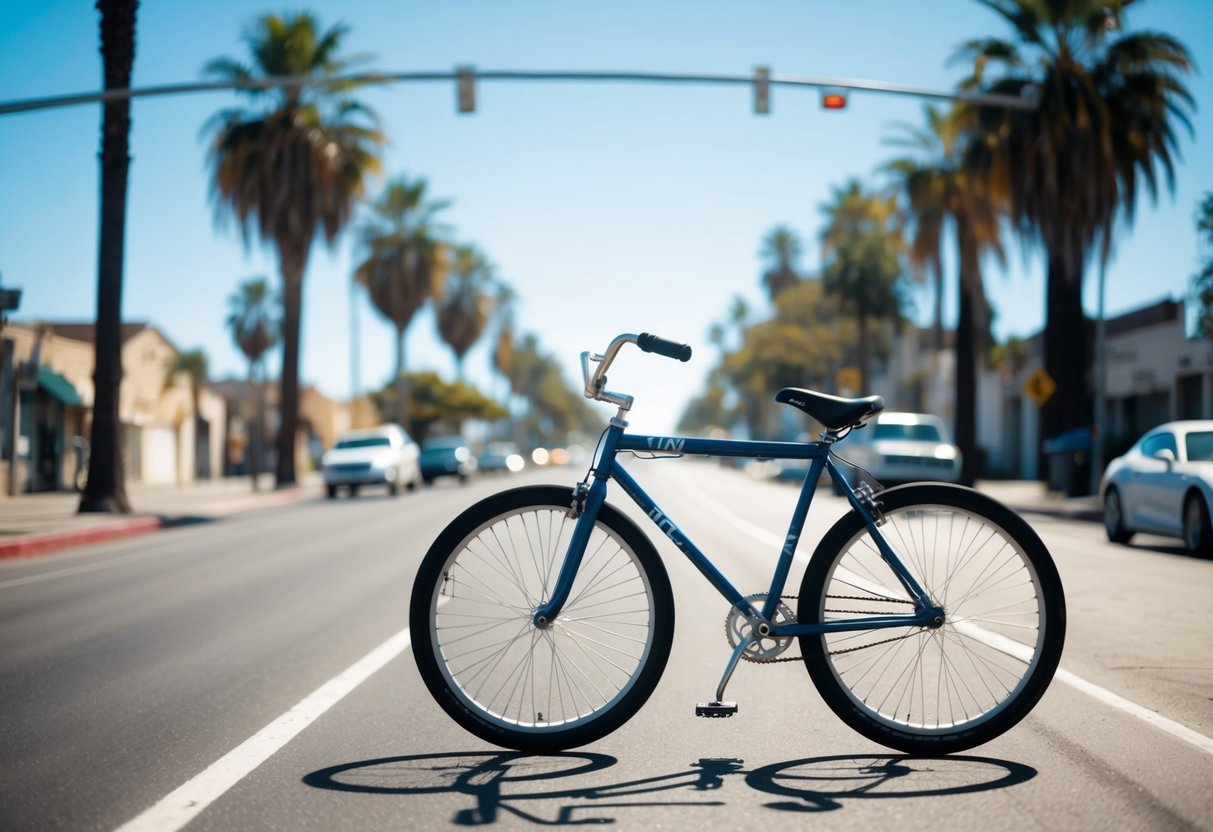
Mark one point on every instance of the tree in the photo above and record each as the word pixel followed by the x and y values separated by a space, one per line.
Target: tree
pixel 780 250
pixel 1202 281
pixel 105 490
pixel 433 401
pixel 405 261
pixel 466 306
pixel 939 190
pixel 863 246
pixel 289 166
pixel 1109 102
pixel 802 345
pixel 192 364
pixel 255 330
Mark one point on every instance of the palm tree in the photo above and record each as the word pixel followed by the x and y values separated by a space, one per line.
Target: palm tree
pixel 105 490
pixel 1109 102
pixel 781 250
pixel 862 244
pixel 939 190
pixel 405 261
pixel 465 309
pixel 289 166
pixel 255 331
pixel 193 364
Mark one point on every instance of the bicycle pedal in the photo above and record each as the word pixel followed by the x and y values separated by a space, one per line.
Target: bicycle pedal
pixel 716 710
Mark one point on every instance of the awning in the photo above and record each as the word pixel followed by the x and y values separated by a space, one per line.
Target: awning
pixel 57 386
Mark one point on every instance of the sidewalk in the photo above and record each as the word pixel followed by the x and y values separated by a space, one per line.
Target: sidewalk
pixel 33 524
pixel 1031 497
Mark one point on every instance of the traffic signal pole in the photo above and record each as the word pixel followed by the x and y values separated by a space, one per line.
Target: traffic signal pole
pixel 466 78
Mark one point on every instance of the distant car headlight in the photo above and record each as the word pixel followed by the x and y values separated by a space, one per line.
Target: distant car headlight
pixel 515 463
pixel 945 452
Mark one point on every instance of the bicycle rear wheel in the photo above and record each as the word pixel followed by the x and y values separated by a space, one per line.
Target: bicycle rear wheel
pixel 935 691
pixel 506 680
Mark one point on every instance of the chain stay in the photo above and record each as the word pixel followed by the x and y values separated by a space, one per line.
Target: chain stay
pixel 778 659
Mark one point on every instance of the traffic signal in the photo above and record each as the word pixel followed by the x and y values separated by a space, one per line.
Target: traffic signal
pixel 465 88
pixel 833 99
pixel 762 90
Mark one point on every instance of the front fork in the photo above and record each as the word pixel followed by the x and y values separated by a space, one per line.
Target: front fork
pixel 584 504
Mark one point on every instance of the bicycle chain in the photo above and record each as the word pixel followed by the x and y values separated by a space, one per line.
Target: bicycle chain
pixel 778 659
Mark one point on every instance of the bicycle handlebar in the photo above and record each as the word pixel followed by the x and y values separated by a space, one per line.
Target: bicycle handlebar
pixel 596 381
pixel 662 346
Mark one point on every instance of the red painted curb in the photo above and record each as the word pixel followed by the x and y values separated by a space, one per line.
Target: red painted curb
pixel 38 544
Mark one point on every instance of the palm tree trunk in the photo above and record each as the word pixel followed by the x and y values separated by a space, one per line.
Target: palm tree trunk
pixel 937 326
pixel 105 490
pixel 401 409
pixel 288 424
pixel 256 424
pixel 1066 361
pixel 967 350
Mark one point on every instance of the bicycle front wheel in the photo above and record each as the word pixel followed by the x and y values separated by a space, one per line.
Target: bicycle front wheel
pixel 529 688
pixel 938 690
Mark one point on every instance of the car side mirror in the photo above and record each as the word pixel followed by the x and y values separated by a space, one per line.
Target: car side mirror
pixel 1165 455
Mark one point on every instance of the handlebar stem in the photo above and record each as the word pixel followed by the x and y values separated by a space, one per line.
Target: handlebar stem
pixel 595 382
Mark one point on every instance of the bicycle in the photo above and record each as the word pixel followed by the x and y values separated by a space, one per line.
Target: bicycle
pixel 931 618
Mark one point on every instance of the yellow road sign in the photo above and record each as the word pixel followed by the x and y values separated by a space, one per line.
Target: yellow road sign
pixel 1040 386
pixel 848 379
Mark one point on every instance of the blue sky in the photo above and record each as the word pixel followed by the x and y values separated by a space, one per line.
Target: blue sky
pixel 610 208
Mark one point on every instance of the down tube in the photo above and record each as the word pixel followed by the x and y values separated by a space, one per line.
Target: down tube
pixel 684 544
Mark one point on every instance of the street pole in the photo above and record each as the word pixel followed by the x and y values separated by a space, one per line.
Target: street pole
pixel 1099 418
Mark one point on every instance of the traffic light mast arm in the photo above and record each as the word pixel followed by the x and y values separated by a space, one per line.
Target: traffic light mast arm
pixel 1025 102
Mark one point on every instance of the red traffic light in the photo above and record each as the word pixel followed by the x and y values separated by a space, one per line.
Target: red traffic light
pixel 834 100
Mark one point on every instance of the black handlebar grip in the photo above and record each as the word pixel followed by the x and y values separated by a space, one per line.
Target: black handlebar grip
pixel 670 349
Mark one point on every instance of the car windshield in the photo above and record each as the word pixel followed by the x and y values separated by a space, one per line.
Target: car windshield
pixel 1199 446
pixel 442 444
pixel 364 442
pixel 918 433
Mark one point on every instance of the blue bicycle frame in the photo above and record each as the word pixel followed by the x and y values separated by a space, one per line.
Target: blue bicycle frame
pixel 608 467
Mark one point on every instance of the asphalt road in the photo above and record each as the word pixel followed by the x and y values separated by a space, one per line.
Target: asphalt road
pixel 261 662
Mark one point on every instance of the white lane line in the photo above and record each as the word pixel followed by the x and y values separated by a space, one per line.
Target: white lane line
pixel 1175 729
pixel 1144 714
pixel 184 803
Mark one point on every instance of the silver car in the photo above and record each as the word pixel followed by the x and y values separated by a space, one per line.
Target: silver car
pixel 900 447
pixel 1163 485
pixel 385 455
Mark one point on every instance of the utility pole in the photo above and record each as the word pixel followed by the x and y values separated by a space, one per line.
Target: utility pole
pixel 10 299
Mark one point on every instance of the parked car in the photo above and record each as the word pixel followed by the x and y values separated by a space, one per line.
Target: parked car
pixel 446 456
pixel 900 447
pixel 501 457
pixel 1163 485
pixel 385 455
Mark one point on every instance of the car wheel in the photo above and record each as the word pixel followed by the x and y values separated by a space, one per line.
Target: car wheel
pixel 353 491
pixel 1114 517
pixel 1198 537
pixel 331 490
pixel 428 480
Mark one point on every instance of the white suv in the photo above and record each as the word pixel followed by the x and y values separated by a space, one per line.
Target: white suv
pixel 376 456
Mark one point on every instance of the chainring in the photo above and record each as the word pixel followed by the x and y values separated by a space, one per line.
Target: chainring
pixel 764 648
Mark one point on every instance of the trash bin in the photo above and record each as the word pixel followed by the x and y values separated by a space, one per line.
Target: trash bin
pixel 1068 462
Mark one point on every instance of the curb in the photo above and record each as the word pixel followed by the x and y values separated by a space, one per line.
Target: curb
pixel 43 543
pixel 40 544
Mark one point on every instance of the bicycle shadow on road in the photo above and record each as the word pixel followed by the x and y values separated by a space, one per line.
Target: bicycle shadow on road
pixel 501 782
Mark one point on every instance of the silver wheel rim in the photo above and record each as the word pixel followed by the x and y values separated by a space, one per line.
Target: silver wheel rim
pixel 968 670
pixel 519 677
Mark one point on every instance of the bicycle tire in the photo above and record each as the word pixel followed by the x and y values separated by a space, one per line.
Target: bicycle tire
pixel 935 691
pixel 563 686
